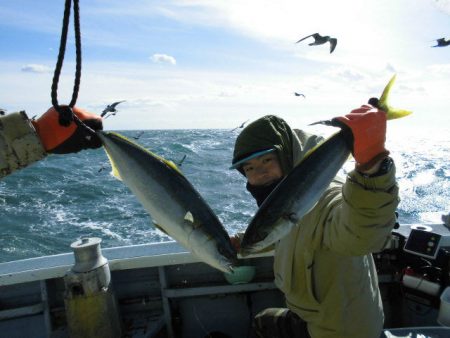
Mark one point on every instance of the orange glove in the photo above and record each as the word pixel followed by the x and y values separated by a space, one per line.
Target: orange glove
pixel 368 135
pixel 73 137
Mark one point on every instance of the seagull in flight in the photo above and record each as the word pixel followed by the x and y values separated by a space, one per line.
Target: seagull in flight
pixel 320 40
pixel 103 167
pixel 241 126
pixel 299 94
pixel 138 135
pixel 442 43
pixel 111 108
pixel 180 162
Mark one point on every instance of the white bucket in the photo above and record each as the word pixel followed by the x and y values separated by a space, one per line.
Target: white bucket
pixel 444 308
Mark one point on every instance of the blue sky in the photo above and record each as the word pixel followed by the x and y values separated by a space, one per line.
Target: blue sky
pixel 215 64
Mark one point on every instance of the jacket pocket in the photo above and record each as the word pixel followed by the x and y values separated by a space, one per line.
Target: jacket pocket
pixel 309 280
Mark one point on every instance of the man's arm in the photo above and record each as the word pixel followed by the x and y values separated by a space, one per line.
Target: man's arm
pixel 20 145
pixel 23 142
pixel 361 219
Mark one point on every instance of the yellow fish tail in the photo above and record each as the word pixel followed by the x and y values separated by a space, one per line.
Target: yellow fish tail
pixel 391 113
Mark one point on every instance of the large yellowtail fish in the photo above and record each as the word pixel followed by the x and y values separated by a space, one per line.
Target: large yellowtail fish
pixel 170 199
pixel 300 190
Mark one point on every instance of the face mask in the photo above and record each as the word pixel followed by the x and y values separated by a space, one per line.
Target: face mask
pixel 261 192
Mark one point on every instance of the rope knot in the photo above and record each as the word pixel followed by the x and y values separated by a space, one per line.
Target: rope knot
pixel 65 115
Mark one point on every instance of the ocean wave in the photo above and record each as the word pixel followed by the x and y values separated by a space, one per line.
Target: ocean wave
pixel 55 202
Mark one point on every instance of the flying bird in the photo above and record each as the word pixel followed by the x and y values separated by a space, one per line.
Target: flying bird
pixel 138 135
pixel 180 162
pixel 103 167
pixel 299 94
pixel 320 40
pixel 442 42
pixel 111 108
pixel 241 126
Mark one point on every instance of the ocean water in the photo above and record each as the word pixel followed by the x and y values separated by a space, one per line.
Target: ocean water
pixel 54 202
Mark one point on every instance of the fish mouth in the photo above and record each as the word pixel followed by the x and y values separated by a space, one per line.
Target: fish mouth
pixel 230 268
pixel 225 266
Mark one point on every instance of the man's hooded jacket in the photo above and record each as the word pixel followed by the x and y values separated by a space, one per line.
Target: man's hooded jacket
pixel 324 266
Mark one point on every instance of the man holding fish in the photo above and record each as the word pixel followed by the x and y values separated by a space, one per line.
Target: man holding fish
pixel 323 262
pixel 324 229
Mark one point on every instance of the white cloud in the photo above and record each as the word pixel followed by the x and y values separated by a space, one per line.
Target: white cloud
pixel 347 74
pixel 163 58
pixel 35 68
pixel 443 5
pixel 440 69
pixel 166 97
pixel 221 94
pixel 390 68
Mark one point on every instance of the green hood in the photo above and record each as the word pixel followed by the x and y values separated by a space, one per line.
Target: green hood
pixel 268 132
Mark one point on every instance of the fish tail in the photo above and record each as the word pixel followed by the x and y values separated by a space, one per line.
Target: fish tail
pixel 382 103
pixel 391 113
pixel 395 113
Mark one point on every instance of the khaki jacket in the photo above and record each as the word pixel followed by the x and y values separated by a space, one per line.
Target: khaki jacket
pixel 325 267
pixel 19 144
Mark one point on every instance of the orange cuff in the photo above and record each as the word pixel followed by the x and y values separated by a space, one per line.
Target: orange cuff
pixel 51 133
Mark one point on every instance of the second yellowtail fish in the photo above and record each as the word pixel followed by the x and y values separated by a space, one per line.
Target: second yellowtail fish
pixel 300 190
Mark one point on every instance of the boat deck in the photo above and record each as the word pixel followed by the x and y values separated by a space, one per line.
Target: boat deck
pixel 161 290
pixel 164 291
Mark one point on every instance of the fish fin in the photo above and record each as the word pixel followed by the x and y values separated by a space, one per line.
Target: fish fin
pixel 324 122
pixel 115 171
pixel 350 156
pixel 395 113
pixel 189 217
pixel 292 217
pixel 172 165
pixel 391 113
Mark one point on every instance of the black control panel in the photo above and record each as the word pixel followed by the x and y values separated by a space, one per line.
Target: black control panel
pixel 423 243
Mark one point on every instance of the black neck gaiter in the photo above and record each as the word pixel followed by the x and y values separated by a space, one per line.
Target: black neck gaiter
pixel 261 192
